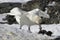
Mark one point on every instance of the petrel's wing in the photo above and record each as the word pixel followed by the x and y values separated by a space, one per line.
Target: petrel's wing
pixel 34 11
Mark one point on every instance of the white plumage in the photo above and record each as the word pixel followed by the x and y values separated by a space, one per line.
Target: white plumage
pixel 28 18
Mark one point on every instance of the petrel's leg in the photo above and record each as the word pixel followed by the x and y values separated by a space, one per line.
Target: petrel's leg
pixel 29 29
pixel 40 27
pixel 20 26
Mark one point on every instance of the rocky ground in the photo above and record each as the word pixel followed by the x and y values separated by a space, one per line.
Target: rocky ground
pixel 13 33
